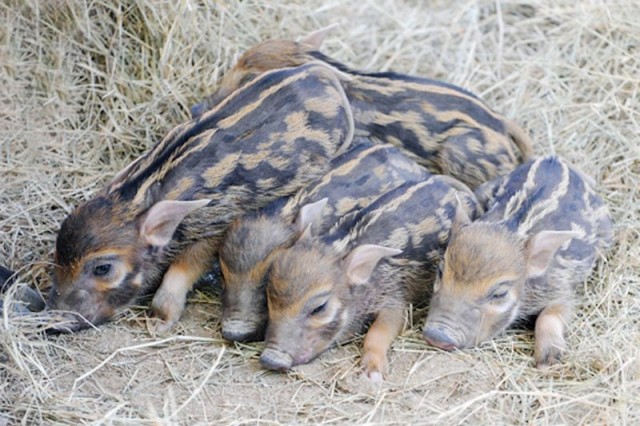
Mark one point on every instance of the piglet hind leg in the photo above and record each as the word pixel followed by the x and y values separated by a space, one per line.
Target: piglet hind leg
pixel 171 297
pixel 383 331
pixel 454 160
pixel 549 334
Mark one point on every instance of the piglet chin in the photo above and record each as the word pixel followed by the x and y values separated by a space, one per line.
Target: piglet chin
pixel 70 321
pixel 304 357
pixel 67 322
pixel 440 345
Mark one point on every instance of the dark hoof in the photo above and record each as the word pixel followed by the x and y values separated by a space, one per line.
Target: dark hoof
pixel 26 301
pixel 6 278
pixel 32 299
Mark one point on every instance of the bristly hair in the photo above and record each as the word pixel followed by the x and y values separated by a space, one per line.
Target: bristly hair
pixel 387 74
pixel 77 234
pixel 518 216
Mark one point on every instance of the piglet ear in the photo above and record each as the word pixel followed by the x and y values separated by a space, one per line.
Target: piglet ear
pixel 363 259
pixel 541 248
pixel 163 218
pixel 306 234
pixel 315 39
pixel 461 218
pixel 310 215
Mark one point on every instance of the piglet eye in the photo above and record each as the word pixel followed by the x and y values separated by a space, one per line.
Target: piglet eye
pixel 319 309
pixel 498 296
pixel 500 291
pixel 102 270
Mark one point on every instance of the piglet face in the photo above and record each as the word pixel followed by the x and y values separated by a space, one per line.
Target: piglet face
pixel 250 244
pixel 481 282
pixel 477 288
pixel 100 262
pixel 307 298
pixel 310 297
pixel 245 257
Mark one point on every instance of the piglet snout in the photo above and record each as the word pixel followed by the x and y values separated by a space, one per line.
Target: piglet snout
pixel 242 331
pixel 438 337
pixel 274 359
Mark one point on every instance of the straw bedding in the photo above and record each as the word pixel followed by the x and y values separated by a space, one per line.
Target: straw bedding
pixel 85 87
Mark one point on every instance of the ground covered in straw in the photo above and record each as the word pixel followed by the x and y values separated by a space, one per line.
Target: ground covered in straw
pixel 85 87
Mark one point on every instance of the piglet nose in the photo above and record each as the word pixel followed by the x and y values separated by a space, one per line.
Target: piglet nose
pixel 274 359
pixel 438 337
pixel 242 331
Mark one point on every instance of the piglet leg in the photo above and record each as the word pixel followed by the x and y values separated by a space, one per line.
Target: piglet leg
pixel 171 297
pixel 549 334
pixel 381 334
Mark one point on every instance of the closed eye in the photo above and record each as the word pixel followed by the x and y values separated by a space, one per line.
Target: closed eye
pixel 498 296
pixel 319 309
pixel 500 291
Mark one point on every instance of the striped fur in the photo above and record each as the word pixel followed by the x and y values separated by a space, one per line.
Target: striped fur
pixel 494 272
pixel 354 181
pixel 265 141
pixel 415 219
pixel 442 126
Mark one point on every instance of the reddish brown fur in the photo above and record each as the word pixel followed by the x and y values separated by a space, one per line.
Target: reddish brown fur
pixel 266 56
pixel 489 255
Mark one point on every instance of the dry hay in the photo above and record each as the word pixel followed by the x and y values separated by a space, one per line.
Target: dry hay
pixel 87 86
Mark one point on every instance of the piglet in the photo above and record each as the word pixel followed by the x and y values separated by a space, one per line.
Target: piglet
pixel 355 180
pixel 323 290
pixel 543 229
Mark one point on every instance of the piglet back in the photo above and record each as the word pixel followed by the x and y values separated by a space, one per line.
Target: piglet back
pixel 550 194
pixel 359 178
pixel 415 217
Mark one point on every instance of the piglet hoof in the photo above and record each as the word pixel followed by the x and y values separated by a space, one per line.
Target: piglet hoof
pixel 374 365
pixel 375 377
pixel 166 312
pixel 32 299
pixel 546 357
pixel 158 327
pixel 161 323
